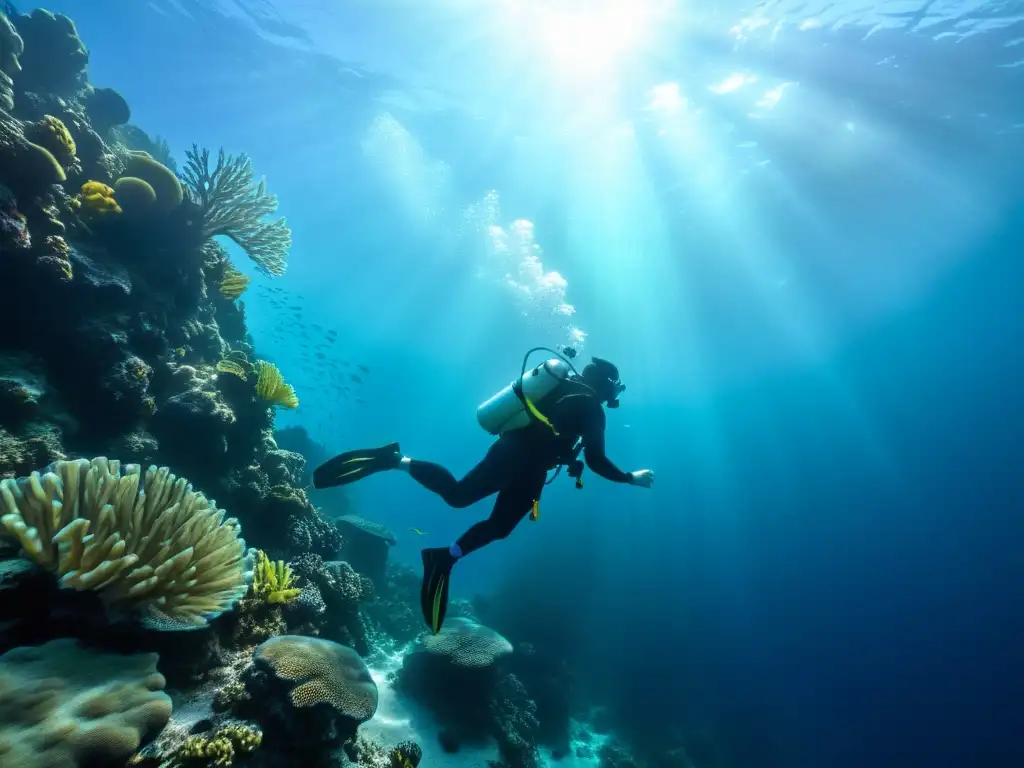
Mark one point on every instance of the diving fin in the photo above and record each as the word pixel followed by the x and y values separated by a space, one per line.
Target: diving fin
pixel 348 467
pixel 437 570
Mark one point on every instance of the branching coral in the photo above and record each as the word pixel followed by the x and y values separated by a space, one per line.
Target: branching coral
pixel 234 205
pixel 154 547
pixel 219 748
pixel 271 387
pixel 273 582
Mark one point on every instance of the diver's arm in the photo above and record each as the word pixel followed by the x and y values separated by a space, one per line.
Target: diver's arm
pixel 593 451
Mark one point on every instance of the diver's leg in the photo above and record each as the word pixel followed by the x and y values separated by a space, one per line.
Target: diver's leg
pixel 511 506
pixel 486 478
pixel 514 502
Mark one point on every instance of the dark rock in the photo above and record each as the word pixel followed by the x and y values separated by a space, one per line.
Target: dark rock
pixel 106 108
pixel 54 59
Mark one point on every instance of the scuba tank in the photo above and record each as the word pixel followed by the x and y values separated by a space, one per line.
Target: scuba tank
pixel 513 407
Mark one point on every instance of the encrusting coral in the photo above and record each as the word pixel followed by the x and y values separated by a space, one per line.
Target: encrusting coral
pixel 62 705
pixel 156 548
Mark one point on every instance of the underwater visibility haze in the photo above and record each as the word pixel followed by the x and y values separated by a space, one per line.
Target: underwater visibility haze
pixel 240 238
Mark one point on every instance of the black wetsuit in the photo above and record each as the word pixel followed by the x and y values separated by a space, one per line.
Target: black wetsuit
pixel 516 465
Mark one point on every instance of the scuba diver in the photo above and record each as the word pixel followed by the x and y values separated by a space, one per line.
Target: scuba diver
pixel 542 420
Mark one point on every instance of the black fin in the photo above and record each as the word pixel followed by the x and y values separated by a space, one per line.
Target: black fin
pixel 437 569
pixel 348 467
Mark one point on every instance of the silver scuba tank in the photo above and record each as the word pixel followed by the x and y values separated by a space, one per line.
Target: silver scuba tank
pixel 506 411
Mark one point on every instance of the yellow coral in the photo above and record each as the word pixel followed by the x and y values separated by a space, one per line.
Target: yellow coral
pixel 273 582
pixel 51 133
pixel 271 387
pixel 246 740
pixel 98 198
pixel 233 284
pixel 61 135
pixel 230 366
pixel 219 748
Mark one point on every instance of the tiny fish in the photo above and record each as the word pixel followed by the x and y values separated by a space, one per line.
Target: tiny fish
pixel 417 530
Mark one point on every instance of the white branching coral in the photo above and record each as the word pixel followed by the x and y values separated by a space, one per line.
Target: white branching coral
pixel 234 205
pixel 156 548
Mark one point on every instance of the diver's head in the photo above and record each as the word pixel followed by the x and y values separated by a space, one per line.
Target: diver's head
pixel 603 377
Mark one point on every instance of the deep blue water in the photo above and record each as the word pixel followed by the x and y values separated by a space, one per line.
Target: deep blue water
pixel 805 258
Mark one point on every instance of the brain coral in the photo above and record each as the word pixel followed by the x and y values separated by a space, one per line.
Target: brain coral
pixel 156 547
pixel 65 707
pixel 326 673
pixel 467 644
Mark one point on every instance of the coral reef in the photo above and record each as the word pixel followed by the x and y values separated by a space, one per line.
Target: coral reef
pixel 464 656
pixel 54 58
pixel 342 591
pixel 157 548
pixel 273 582
pixel 132 341
pixel 106 108
pixel 233 205
pixel 63 705
pixel 367 546
pixel 309 691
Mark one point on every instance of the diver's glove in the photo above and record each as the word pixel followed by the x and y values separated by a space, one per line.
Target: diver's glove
pixel 642 477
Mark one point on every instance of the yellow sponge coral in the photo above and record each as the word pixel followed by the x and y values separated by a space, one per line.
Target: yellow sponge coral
pixel 271 387
pixel 96 197
pixel 273 582
pixel 150 546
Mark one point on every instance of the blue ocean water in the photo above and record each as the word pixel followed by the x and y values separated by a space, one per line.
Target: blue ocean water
pixel 796 228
